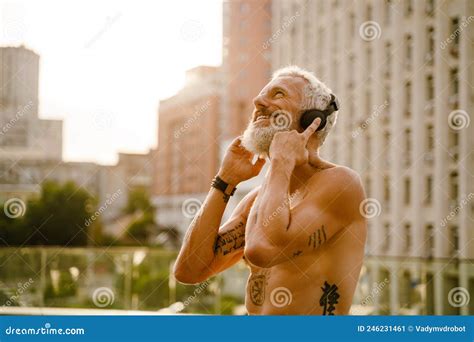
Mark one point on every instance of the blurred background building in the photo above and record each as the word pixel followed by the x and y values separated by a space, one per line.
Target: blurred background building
pixel 188 145
pixel 399 68
pixel 196 125
pixel 25 135
pixel 31 148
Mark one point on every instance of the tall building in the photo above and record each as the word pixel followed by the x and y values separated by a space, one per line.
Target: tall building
pixel 186 159
pixel 197 124
pixel 403 73
pixel 22 134
pixel 246 61
pixel 246 64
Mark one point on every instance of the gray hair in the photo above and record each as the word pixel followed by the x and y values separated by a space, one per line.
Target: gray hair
pixel 316 95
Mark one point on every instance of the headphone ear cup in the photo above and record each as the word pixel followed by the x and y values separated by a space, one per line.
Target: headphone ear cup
pixel 309 116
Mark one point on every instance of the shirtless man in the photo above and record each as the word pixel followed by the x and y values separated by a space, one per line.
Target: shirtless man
pixel 301 232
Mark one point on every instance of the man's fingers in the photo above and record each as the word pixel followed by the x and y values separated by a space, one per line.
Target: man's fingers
pixel 236 141
pixel 308 132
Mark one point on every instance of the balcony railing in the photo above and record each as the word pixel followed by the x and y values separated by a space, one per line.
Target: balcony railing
pixel 131 280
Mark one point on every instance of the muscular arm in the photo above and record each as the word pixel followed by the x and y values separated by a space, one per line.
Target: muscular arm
pixel 208 249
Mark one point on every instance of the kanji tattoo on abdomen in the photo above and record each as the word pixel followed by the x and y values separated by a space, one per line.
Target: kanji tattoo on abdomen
pixel 329 298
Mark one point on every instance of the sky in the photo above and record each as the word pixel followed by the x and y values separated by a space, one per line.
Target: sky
pixel 104 65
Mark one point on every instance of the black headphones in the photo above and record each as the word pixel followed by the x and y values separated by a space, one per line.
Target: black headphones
pixel 310 115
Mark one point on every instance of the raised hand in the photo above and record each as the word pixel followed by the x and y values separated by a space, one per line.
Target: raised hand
pixel 290 146
pixel 237 164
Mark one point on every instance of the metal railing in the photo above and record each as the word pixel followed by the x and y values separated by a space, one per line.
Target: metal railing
pixel 138 279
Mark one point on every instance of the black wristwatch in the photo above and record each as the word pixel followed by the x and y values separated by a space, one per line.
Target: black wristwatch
pixel 226 188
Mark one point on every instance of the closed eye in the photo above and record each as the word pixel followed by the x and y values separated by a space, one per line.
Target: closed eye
pixel 279 93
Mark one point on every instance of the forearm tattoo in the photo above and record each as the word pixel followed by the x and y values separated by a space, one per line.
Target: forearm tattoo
pixel 329 298
pixel 230 241
pixel 317 238
pixel 256 286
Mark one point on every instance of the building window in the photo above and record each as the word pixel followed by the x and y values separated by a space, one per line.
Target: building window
pixel 454 80
pixel 429 7
pixel 429 238
pixel 388 58
pixel 388 5
pixel 453 188
pixel 407 237
pixel 454 46
pixel 431 45
pixel 407 194
pixel 408 99
pixel 368 142
pixel 386 245
pixel 409 50
pixel 408 7
pixel 429 138
pixel 407 156
pixel 430 87
pixel 454 239
pixel 387 138
pixel 368 185
pixel 429 190
pixel 386 189
pixel 453 150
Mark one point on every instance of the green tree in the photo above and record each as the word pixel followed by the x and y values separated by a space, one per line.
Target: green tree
pixel 138 200
pixel 57 217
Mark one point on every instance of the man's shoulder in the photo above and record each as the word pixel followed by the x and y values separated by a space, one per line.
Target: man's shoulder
pixel 345 191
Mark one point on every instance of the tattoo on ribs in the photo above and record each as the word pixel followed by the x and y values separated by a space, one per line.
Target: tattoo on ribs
pixel 297 253
pixel 317 238
pixel 230 241
pixel 257 289
pixel 329 298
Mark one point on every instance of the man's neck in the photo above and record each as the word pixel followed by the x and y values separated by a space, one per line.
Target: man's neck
pixel 302 173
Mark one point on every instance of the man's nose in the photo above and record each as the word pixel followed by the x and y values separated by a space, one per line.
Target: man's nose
pixel 260 102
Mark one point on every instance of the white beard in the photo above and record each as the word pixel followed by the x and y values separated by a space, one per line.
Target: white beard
pixel 258 139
